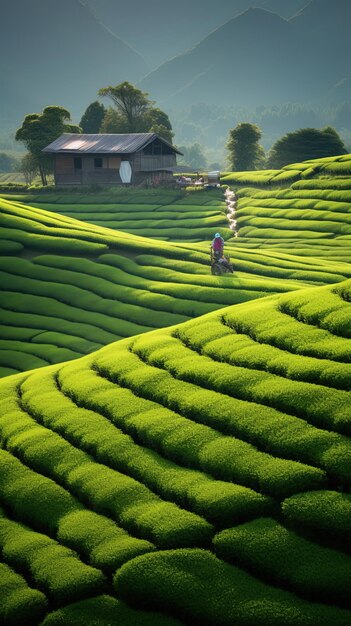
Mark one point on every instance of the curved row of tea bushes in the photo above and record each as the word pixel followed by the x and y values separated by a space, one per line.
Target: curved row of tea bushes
pixel 106 610
pixel 152 433
pixel 189 217
pixel 332 314
pixel 217 501
pixel 94 537
pixel 281 556
pixel 324 514
pixel 55 569
pixel 20 604
pixel 109 492
pixel 60 307
pixel 315 402
pixel 199 588
pixel 243 462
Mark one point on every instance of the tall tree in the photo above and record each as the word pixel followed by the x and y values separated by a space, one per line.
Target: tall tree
pixel 40 129
pixel 92 118
pixel 130 102
pixel 244 151
pixel 305 144
pixel 133 112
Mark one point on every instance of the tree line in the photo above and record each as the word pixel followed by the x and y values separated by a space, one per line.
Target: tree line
pixel 133 112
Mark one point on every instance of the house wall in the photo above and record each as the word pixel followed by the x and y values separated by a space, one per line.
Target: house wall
pixel 67 174
pixel 142 168
pixel 144 162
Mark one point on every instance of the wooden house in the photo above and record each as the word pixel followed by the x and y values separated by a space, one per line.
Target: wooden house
pixel 112 159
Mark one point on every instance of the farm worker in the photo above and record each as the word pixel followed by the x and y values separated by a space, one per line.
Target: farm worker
pixel 217 246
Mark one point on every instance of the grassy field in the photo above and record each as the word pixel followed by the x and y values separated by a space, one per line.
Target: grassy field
pixel 196 474
pixel 175 446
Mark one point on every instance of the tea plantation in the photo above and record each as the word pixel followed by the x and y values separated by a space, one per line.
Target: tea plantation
pixel 68 287
pixel 175 447
pixel 200 472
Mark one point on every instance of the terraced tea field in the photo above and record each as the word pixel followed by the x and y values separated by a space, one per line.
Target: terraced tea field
pixel 68 288
pixel 167 215
pixel 193 475
pixel 303 209
pixel 175 446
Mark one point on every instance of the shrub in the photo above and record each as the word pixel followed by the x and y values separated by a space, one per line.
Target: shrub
pixel 323 513
pixel 105 610
pixel 54 568
pixel 31 497
pixel 282 557
pixel 19 604
pixel 198 587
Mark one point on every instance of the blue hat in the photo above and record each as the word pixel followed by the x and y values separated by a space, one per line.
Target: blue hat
pixel 217 235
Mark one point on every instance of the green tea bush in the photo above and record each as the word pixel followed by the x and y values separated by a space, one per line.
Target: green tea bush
pixel 324 513
pixel 105 610
pixel 311 402
pixel 323 309
pixel 41 322
pixel 284 558
pixel 55 569
pixel 10 247
pixel 239 349
pixel 107 491
pixel 204 406
pixel 32 498
pixel 199 588
pixel 215 500
pixel 19 603
pixel 106 545
pixel 269 325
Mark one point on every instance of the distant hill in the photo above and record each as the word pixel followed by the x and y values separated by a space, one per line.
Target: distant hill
pixel 175 26
pixel 58 53
pixel 261 58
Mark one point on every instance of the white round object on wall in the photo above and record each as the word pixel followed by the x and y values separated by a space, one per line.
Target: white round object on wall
pixel 125 172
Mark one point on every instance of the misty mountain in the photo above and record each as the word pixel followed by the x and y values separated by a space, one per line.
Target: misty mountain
pixel 325 29
pixel 162 29
pixel 58 53
pixel 259 58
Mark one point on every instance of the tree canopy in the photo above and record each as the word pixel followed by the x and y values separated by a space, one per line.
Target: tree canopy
pixel 92 118
pixel 305 144
pixel 244 151
pixel 40 129
pixel 133 112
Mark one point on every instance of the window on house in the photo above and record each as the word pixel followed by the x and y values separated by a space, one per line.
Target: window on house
pixel 98 162
pixel 77 163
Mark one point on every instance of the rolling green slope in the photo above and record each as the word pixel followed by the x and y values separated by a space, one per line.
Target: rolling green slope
pixel 68 288
pixel 159 214
pixel 305 208
pixel 194 474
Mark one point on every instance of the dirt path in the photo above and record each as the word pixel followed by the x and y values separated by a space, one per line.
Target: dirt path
pixel 230 200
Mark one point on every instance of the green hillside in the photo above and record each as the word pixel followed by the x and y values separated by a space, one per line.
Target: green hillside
pixel 175 446
pixel 160 214
pixel 68 288
pixel 305 208
pixel 195 474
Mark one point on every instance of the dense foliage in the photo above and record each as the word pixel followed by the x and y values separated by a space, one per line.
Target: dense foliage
pixel 244 151
pixel 133 112
pixel 92 118
pixel 38 130
pixel 304 144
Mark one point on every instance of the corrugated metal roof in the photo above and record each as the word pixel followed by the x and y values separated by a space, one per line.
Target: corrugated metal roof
pixel 103 143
